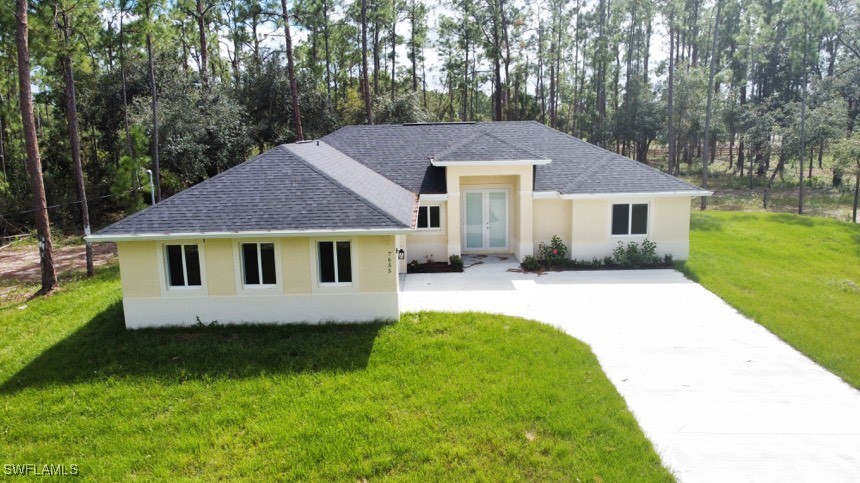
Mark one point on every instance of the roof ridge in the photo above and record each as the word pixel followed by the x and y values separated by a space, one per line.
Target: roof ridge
pixel 458 145
pixel 485 132
pixel 337 183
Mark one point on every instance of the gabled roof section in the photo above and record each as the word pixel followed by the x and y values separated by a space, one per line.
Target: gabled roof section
pixel 402 153
pixel 275 192
pixel 388 196
pixel 484 148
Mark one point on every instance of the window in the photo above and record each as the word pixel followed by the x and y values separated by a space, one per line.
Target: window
pixel 183 265
pixel 258 263
pixel 428 217
pixel 630 219
pixel 335 262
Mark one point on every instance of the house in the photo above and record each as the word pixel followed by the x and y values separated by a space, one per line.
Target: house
pixel 311 231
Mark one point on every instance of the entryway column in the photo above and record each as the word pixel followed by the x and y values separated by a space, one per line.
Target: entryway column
pixel 453 220
pixel 526 219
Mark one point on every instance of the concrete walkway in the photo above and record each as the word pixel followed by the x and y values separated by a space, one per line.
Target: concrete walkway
pixel 721 398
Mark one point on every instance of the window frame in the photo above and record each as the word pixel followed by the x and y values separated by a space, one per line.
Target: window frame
pixel 428 227
pixel 167 289
pixel 316 261
pixel 629 205
pixel 239 268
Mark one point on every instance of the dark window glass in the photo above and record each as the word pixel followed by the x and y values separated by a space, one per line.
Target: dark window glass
pixel 267 259
pixel 192 265
pixel 640 220
pixel 174 266
pixel 344 264
pixel 250 264
pixel 422 217
pixel 620 219
pixel 326 254
pixel 434 217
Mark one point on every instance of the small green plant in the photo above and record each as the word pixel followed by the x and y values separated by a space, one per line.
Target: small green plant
pixel 456 262
pixel 554 254
pixel 413 265
pixel 667 259
pixel 530 264
pixel 635 256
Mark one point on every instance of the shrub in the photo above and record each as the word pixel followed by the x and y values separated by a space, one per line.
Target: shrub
pixel 634 256
pixel 554 254
pixel 530 264
pixel 456 262
pixel 667 259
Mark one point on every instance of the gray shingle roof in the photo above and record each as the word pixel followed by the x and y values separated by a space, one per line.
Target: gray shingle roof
pixel 358 178
pixel 402 153
pixel 275 191
pixel 366 177
pixel 485 146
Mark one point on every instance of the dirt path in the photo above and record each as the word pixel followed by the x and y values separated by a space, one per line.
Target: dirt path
pixel 21 264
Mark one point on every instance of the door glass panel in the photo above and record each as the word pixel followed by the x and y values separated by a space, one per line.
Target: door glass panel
pixel 498 221
pixel 474 220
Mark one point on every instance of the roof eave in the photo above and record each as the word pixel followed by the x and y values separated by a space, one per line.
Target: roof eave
pixel 650 194
pixel 122 237
pixel 507 162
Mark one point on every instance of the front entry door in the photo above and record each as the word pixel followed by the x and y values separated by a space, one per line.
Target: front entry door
pixel 485 221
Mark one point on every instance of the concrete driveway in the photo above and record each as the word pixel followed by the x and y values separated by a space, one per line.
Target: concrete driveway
pixel 721 398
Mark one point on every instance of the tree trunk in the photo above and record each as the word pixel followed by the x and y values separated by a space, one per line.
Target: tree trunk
pixel 375 48
pixel 75 140
pixel 128 144
pixel 327 55
pixel 507 97
pixel 671 94
pixel 856 193
pixel 393 50
pixel 803 120
pixel 34 162
pixel 365 87
pixel 204 52
pixel 413 22
pixel 779 167
pixel 707 139
pixel 294 89
pixel 156 169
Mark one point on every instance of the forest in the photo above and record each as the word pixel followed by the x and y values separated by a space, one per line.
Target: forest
pixel 189 88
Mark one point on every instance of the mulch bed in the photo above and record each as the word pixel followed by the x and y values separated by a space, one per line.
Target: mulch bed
pixel 583 268
pixel 432 267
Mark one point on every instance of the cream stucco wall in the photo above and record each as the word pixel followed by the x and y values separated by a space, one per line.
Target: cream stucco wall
pixel 668 226
pixel 552 217
pixel 138 269
pixel 429 244
pixel 298 297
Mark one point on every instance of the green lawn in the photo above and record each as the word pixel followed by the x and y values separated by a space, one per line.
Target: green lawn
pixel 797 276
pixel 433 397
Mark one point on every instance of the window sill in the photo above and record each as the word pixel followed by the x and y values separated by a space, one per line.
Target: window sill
pixel 185 292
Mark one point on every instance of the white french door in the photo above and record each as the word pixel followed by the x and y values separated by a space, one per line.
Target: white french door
pixel 485 219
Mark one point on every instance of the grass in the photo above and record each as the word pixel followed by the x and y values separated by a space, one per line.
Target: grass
pixel 733 193
pixel 433 397
pixel 798 276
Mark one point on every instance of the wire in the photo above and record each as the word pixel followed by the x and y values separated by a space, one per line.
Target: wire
pixel 6 215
